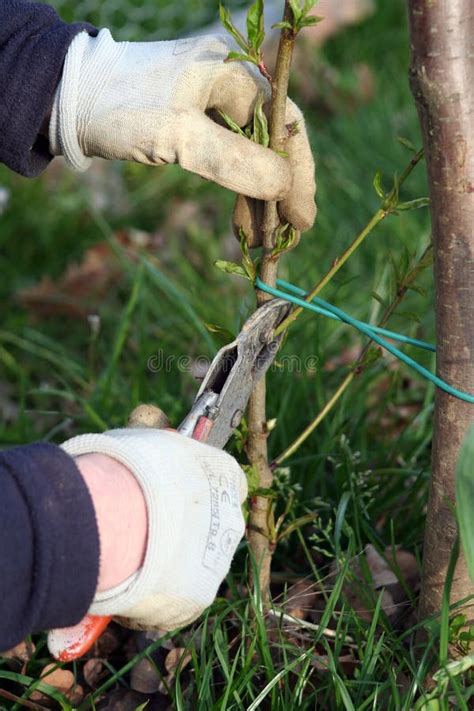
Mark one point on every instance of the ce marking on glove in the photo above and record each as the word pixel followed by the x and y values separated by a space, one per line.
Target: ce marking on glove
pixel 224 501
pixel 229 494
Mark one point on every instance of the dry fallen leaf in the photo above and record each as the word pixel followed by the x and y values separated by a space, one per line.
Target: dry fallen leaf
pixel 177 657
pixel 77 292
pixel 145 677
pixel 94 670
pixel 395 602
pixel 408 565
pixel 382 574
pixel 61 679
pixel 22 652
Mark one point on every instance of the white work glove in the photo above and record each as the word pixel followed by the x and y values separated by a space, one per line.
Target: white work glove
pixel 152 102
pixel 193 493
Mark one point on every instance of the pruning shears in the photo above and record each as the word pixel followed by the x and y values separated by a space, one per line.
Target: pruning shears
pixel 216 412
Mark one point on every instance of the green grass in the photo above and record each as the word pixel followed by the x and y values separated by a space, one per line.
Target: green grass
pixel 363 473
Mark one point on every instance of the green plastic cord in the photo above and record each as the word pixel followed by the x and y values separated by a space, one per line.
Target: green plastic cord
pixel 292 293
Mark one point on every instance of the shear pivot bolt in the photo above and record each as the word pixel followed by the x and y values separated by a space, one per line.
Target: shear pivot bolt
pixel 236 418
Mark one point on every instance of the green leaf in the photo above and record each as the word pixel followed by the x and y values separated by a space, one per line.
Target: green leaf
pixel 308 6
pixel 231 124
pixel 247 262
pixel 287 237
pixel 238 57
pixel 458 622
pixel 260 124
pixel 244 243
pixel 253 478
pixel 454 668
pixel 264 491
pixel 255 25
pixel 282 26
pixel 426 261
pixel 250 269
pixel 224 335
pixel 231 268
pixel 414 204
pixel 418 289
pixel 296 10
pixel 428 704
pixel 310 20
pixel 407 143
pixel 226 20
pixel 465 498
pixel 378 184
pixel 373 354
pixel 467 636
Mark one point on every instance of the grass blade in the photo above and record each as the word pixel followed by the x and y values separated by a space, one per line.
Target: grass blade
pixel 465 499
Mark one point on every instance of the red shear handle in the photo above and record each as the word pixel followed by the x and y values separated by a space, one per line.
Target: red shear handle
pixel 203 429
pixel 70 643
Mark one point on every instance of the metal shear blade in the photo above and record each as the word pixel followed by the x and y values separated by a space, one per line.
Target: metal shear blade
pixel 226 389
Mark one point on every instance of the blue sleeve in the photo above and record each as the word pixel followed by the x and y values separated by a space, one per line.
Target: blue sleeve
pixel 49 542
pixel 33 44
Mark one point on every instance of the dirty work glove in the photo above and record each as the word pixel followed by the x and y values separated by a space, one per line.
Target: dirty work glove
pixel 193 493
pixel 152 102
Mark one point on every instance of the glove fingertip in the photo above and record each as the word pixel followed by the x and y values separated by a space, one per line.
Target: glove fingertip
pixel 301 214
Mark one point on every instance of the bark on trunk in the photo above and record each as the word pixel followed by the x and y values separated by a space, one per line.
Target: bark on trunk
pixel 442 81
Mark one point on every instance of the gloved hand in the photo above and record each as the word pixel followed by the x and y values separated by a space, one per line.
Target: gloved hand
pixel 154 103
pixel 193 493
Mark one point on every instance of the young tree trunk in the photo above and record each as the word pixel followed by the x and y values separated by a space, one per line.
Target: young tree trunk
pixel 442 81
pixel 260 519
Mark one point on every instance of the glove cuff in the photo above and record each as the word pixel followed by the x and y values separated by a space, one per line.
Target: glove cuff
pixel 87 68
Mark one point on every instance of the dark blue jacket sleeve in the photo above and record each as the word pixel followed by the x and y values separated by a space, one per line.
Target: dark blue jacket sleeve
pixel 33 44
pixel 49 542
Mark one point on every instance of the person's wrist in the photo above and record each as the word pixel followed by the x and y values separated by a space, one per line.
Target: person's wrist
pixel 121 516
